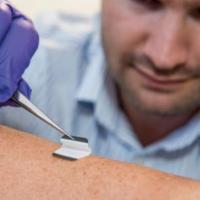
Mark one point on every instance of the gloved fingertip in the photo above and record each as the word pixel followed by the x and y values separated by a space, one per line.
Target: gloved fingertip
pixel 15 13
pixel 24 88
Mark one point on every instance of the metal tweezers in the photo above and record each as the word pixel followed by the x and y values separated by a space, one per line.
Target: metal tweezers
pixel 22 101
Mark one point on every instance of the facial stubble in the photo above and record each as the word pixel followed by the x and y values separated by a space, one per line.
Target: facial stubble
pixel 185 101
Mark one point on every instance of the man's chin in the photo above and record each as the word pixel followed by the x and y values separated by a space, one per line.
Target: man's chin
pixel 159 109
pixel 160 112
pixel 138 98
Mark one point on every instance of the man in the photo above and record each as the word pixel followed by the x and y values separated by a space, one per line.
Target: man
pixel 136 99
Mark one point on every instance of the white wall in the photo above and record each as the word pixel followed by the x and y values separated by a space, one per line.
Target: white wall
pixel 32 7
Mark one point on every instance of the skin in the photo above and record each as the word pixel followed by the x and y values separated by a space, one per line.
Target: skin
pixel 152 49
pixel 156 73
pixel 29 171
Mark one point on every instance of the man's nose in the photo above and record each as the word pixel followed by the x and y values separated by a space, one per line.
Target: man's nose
pixel 167 45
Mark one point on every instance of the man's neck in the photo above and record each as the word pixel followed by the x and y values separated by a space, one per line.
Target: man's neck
pixel 150 128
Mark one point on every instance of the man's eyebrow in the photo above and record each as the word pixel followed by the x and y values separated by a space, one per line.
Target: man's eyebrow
pixel 185 3
pixel 192 3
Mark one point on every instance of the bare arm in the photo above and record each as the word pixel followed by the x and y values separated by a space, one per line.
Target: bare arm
pixel 29 171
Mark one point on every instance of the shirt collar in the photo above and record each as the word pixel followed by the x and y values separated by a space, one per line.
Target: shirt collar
pixel 96 87
pixel 92 79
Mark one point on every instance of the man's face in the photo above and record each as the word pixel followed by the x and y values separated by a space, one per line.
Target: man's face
pixel 153 53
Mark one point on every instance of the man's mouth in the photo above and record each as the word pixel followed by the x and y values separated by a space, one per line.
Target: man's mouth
pixel 159 82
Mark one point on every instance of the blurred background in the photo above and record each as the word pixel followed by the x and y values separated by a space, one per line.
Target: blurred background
pixel 33 7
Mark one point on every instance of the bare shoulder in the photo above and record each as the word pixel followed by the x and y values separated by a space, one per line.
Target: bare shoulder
pixel 28 168
pixel 18 142
pixel 29 171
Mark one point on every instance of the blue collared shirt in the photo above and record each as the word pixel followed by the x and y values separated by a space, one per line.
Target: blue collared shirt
pixel 71 85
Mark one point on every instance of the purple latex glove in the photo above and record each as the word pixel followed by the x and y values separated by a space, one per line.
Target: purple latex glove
pixel 18 42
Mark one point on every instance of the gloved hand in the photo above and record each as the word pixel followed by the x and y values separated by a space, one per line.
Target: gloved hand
pixel 18 42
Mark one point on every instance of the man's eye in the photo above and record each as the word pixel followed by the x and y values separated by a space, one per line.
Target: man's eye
pixel 195 13
pixel 151 4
